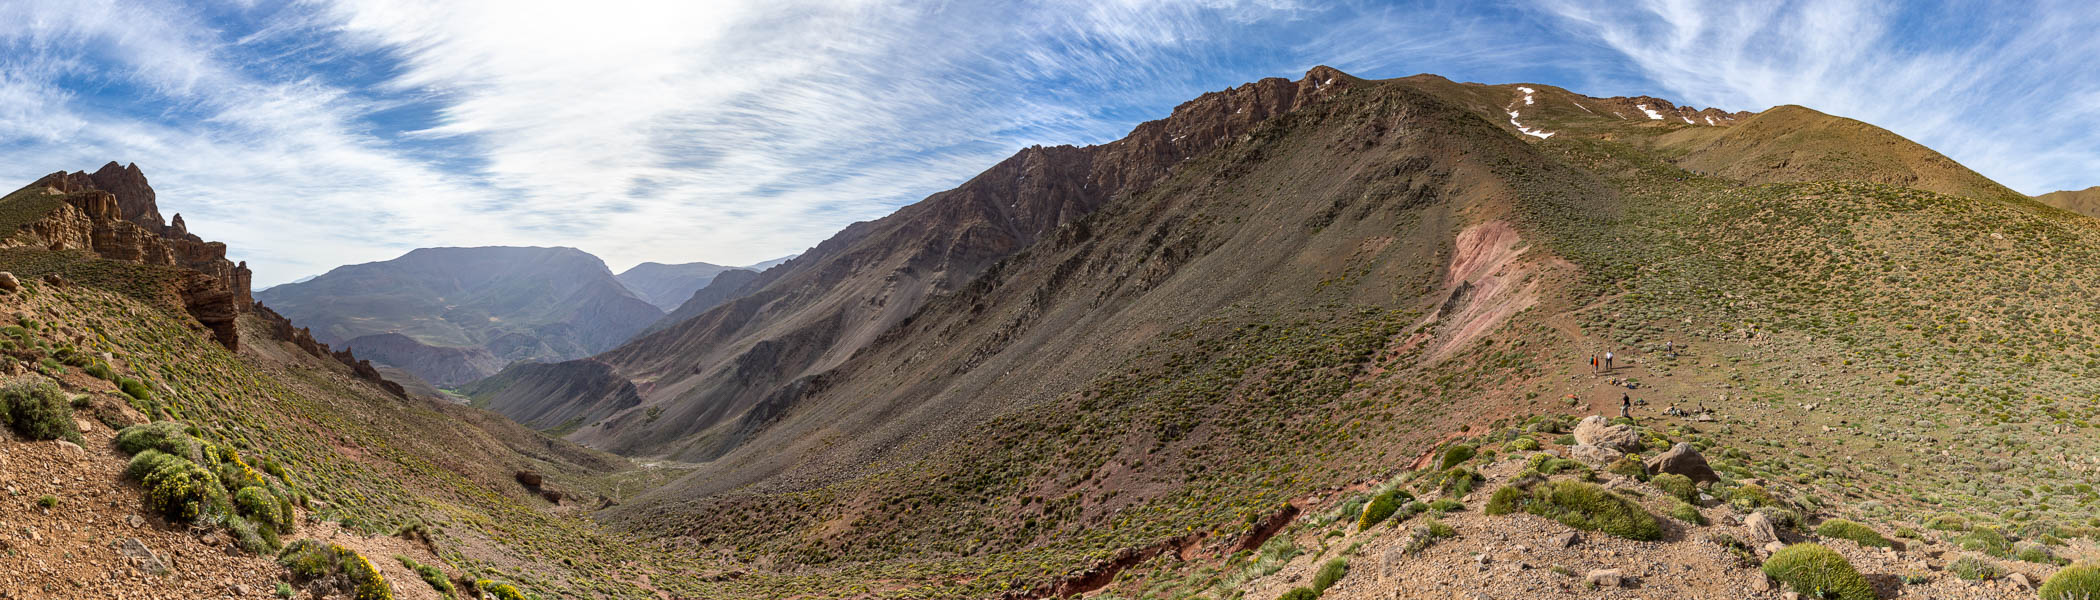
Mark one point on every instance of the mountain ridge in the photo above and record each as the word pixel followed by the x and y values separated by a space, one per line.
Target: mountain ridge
pixel 462 313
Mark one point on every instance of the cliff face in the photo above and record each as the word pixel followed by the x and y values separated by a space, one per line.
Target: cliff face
pixel 111 212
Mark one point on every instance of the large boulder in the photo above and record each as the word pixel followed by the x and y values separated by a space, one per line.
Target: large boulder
pixel 1594 430
pixel 1595 456
pixel 1683 460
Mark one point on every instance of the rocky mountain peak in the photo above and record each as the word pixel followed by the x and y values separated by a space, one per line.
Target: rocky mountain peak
pixel 134 194
pixel 112 213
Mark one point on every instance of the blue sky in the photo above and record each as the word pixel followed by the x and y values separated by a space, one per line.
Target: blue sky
pixel 313 134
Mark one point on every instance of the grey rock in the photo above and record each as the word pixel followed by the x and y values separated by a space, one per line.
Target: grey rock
pixel 1761 530
pixel 1595 456
pixel 143 557
pixel 1605 578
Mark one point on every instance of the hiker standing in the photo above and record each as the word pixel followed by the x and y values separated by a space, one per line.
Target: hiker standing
pixel 1625 405
pixel 1607 361
pixel 1593 364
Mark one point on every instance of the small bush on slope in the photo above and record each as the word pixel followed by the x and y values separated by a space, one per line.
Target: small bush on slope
pixel 309 560
pixel 36 409
pixel 1381 508
pixel 1675 485
pixel 166 436
pixel 1849 530
pixel 182 491
pixel 1456 455
pixel 1986 540
pixel 1330 573
pixel 2076 582
pixel 431 575
pixel 1818 572
pixel 1301 593
pixel 1579 505
pixel 1974 569
pixel 1684 511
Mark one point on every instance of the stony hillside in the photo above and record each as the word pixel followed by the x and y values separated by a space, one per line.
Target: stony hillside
pixel 454 315
pixel 2085 202
pixel 148 453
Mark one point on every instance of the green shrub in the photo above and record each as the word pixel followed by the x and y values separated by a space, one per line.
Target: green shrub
pixel 1751 497
pixel 1447 505
pixel 147 462
pixel 181 490
pixel 1675 485
pixel 1684 511
pixel 1818 572
pixel 36 409
pixel 1382 507
pixel 309 560
pixel 1948 522
pixel 1849 530
pixel 252 538
pixel 1329 574
pixel 1986 540
pixel 101 371
pixel 47 501
pixel 505 591
pixel 166 436
pixel 1457 482
pixel 1975 568
pixel 431 575
pixel 1455 455
pixel 1579 505
pixel 256 503
pixel 1522 444
pixel 2076 582
pixel 2036 553
pixel 1629 467
pixel 1298 593
pixel 135 388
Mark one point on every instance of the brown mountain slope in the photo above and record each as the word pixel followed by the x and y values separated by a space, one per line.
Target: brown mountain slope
pixel 1792 143
pixel 812 313
pixel 1383 198
pixel 2085 202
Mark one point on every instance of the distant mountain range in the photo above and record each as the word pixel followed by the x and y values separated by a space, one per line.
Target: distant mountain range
pixel 669 286
pixel 454 315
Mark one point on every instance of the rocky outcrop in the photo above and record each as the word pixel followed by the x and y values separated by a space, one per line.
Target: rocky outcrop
pixel 1681 459
pixel 282 328
pixel 1596 431
pixel 111 213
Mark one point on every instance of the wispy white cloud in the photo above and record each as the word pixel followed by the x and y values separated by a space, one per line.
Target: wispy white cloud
pixel 332 131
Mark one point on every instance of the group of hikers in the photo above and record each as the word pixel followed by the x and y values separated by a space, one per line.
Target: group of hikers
pixel 1606 364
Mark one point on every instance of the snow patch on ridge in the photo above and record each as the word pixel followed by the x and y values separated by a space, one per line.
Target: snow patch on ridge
pixel 1651 112
pixel 1512 110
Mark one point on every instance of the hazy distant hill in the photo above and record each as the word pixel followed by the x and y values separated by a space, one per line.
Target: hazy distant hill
pixel 2085 202
pixel 453 315
pixel 667 286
